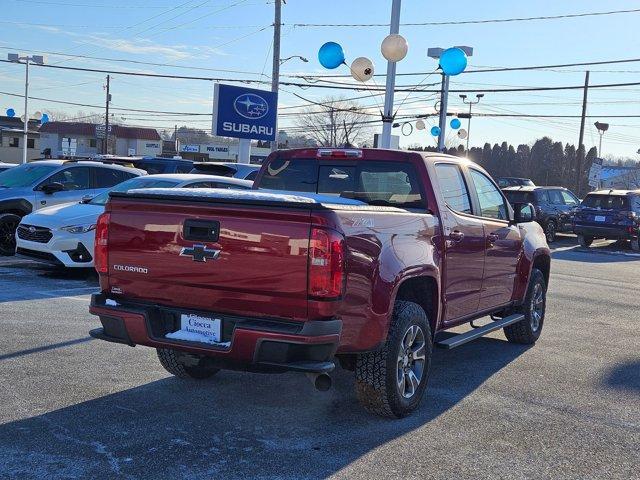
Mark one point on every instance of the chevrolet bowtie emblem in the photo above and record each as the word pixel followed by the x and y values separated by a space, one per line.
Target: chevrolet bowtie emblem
pixel 200 253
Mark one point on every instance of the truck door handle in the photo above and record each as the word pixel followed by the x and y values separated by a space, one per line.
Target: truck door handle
pixel 456 235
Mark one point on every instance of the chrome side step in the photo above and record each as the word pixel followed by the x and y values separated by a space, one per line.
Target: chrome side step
pixel 466 337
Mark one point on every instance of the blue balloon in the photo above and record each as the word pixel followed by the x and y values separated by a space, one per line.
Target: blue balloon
pixel 435 131
pixel 11 112
pixel 453 61
pixel 44 119
pixel 331 55
pixel 455 123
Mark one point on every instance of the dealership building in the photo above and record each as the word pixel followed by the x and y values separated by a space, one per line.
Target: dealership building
pixel 74 139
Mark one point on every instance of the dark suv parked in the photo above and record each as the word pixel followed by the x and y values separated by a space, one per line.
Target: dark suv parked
pixel 504 182
pixel 609 214
pixel 555 206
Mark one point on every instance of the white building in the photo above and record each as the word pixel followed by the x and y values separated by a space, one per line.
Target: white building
pixel 74 139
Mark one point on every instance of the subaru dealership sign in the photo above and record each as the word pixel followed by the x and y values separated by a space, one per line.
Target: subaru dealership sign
pixel 242 112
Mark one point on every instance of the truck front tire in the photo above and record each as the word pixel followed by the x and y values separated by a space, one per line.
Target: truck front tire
pixel 171 361
pixel 527 331
pixel 391 381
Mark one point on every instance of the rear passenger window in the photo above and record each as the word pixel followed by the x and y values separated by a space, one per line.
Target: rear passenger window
pixel 75 178
pixel 184 168
pixel 252 176
pixel 453 188
pixel 108 177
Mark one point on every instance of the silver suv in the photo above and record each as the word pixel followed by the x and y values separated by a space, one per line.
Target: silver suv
pixel 43 183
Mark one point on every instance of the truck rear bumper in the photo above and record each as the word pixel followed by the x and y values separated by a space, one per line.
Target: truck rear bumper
pixel 249 343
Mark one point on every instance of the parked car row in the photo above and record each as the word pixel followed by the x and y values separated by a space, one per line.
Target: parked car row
pixel 29 188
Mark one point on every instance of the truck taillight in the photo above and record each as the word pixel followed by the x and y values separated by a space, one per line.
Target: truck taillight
pixel 100 250
pixel 326 264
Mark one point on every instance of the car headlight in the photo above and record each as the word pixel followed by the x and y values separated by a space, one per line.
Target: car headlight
pixel 79 228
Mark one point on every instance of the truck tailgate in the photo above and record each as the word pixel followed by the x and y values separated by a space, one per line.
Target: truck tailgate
pixel 261 268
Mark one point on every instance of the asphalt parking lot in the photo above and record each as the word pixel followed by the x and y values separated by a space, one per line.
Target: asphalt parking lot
pixel 72 407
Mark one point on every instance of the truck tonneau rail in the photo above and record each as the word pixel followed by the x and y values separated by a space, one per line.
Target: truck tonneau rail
pixel 251 197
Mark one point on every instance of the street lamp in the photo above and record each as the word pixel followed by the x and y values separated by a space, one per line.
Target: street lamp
pixel 435 53
pixel 304 59
pixel 602 127
pixel 470 103
pixel 38 59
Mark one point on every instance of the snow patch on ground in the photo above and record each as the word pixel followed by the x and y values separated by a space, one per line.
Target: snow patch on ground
pixel 195 337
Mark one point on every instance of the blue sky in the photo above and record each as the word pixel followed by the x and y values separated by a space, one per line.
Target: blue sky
pixel 236 35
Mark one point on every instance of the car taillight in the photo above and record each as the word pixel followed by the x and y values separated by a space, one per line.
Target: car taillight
pixel 100 247
pixel 326 264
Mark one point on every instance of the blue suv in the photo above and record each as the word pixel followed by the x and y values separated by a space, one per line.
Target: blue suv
pixel 609 214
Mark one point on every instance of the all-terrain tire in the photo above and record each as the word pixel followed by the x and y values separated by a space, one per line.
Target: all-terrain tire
pixel 8 225
pixel 377 373
pixel 527 331
pixel 170 360
pixel 585 241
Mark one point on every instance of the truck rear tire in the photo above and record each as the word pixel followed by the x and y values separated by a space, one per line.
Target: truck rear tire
pixel 585 241
pixel 391 381
pixel 172 363
pixel 527 331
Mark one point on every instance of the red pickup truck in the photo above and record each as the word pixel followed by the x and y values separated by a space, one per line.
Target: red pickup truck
pixel 360 256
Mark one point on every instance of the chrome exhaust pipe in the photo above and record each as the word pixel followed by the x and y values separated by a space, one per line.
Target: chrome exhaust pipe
pixel 321 381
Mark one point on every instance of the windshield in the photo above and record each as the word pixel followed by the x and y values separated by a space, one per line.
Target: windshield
pixel 138 182
pixel 373 182
pixel 606 202
pixel 25 175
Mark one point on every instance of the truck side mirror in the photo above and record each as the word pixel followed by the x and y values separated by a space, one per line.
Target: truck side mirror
pixel 523 212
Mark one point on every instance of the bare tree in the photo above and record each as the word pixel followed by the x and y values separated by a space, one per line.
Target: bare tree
pixel 334 122
pixel 79 116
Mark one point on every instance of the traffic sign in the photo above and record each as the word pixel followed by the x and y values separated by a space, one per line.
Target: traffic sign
pixel 595 172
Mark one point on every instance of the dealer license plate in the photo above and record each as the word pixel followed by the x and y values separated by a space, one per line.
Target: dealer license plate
pixel 600 218
pixel 196 328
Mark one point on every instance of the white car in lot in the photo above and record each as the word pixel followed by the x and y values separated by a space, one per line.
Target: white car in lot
pixel 63 235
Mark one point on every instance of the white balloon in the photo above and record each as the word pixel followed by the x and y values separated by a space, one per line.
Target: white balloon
pixel 462 133
pixel 394 47
pixel 420 125
pixel 37 115
pixel 22 118
pixel 362 69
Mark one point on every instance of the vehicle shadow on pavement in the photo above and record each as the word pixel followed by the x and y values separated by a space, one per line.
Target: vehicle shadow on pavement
pixel 625 376
pixel 236 425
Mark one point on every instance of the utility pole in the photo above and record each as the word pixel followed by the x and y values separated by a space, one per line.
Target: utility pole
pixel 275 69
pixel 105 149
pixel 581 152
pixel 387 116
pixel 175 139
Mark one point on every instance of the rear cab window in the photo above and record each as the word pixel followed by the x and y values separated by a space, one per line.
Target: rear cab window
pixel 374 182
pixel 515 196
pixel 607 202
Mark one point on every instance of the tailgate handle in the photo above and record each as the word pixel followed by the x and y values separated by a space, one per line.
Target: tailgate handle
pixel 201 230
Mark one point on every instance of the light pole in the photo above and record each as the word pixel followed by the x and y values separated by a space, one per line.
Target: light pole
pixel 390 85
pixel 39 59
pixel 602 127
pixel 470 103
pixel 435 53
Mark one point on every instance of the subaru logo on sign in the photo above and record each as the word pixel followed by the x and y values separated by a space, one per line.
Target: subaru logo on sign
pixel 251 106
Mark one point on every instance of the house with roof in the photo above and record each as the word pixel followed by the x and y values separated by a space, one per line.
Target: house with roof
pixel 76 139
pixel 12 138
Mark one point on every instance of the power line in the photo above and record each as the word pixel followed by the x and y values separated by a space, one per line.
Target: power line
pixel 472 22
pixel 402 88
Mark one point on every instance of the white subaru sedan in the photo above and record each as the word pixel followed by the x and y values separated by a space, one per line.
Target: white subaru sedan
pixel 63 235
